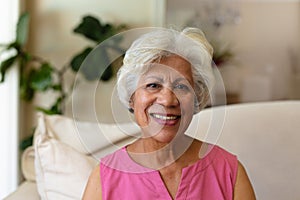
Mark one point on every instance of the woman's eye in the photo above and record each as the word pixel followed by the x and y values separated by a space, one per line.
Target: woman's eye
pixel 153 86
pixel 182 87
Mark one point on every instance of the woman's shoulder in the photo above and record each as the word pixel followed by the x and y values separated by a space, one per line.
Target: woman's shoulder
pixel 93 188
pixel 96 171
pixel 114 158
pixel 242 185
pixel 216 151
pixel 222 158
pixel 224 152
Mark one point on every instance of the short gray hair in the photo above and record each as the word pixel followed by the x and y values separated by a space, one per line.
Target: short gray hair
pixel 189 44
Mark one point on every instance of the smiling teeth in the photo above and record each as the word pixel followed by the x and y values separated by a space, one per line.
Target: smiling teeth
pixel 164 117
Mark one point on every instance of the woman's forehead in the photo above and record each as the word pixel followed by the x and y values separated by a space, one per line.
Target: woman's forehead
pixel 173 67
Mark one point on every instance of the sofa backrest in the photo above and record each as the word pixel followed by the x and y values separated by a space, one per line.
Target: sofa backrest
pixel 265 137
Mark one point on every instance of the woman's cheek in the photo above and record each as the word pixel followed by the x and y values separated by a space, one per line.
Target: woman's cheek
pixel 141 105
pixel 187 105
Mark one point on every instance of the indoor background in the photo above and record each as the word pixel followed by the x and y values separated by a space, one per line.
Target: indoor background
pixel 263 37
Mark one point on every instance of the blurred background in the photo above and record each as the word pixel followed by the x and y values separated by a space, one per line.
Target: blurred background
pixel 256 46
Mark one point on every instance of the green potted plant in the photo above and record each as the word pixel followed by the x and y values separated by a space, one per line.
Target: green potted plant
pixel 38 75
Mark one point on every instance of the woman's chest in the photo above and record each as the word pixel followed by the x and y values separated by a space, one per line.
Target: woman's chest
pixel 171 180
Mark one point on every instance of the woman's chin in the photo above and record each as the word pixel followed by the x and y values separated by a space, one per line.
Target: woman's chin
pixel 164 138
pixel 164 135
pixel 163 132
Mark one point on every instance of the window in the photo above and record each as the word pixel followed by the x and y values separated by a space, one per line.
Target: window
pixel 9 91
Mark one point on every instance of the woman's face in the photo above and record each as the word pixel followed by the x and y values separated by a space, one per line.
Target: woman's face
pixel 163 103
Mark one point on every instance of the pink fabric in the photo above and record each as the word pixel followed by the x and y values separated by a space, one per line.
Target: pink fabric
pixel 211 178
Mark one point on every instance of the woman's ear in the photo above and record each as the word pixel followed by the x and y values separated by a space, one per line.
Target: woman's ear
pixel 131 104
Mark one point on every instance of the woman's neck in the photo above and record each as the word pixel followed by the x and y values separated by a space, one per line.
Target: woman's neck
pixel 152 154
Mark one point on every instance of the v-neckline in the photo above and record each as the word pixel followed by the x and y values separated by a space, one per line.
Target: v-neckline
pixel 163 185
pixel 190 169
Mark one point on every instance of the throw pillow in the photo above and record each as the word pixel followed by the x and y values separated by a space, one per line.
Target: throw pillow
pixel 61 171
pixel 63 160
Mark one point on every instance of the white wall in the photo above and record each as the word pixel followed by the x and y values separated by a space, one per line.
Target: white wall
pixel 262 42
pixel 9 105
pixel 51 37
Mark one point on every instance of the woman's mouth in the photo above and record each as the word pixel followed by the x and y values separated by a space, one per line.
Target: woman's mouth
pixel 165 119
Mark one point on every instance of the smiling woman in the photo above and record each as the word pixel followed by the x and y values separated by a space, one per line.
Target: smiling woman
pixel 166 78
pixel 164 99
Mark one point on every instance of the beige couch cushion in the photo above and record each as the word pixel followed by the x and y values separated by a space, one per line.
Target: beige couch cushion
pixel 265 136
pixel 27 190
pixel 64 158
pixel 86 137
pixel 61 171
pixel 27 164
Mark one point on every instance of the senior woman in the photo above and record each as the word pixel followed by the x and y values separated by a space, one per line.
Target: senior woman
pixel 165 79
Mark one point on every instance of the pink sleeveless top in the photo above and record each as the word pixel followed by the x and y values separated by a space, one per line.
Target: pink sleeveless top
pixel 211 178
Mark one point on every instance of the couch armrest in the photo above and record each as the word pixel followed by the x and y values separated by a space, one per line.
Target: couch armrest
pixel 27 164
pixel 27 190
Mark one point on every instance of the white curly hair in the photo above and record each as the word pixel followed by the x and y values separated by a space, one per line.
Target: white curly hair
pixel 189 44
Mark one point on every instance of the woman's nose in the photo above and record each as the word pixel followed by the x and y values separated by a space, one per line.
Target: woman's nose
pixel 167 97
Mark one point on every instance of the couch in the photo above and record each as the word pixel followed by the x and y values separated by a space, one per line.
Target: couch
pixel 265 136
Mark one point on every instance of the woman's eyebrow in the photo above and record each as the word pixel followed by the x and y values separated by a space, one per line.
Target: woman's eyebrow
pixel 182 79
pixel 159 79
pixel 154 77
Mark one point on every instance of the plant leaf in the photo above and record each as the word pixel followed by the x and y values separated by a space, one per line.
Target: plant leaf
pixel 55 108
pixel 94 30
pixel 5 65
pixel 107 74
pixel 57 87
pixel 13 45
pixel 22 29
pixel 26 92
pixel 48 111
pixel 26 142
pixel 91 28
pixel 96 64
pixel 42 79
pixel 79 58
